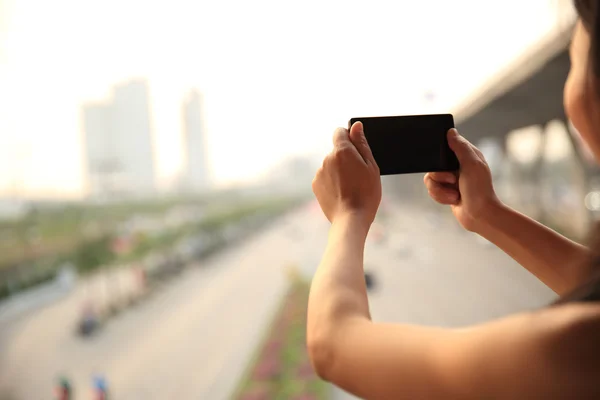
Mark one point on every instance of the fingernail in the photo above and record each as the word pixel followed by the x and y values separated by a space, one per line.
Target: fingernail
pixel 453 132
pixel 360 127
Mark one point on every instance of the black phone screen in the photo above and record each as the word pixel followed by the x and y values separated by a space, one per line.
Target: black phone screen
pixel 410 144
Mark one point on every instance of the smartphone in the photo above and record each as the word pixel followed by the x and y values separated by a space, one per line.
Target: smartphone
pixel 411 143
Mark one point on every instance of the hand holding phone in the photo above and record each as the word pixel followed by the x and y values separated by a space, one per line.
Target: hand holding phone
pixel 410 144
pixel 348 182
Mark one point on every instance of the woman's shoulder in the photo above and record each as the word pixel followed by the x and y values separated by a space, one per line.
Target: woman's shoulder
pixel 575 329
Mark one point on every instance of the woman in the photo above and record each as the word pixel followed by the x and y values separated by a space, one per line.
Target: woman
pixel 546 354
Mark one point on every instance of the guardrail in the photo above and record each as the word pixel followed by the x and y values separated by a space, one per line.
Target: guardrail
pixel 32 299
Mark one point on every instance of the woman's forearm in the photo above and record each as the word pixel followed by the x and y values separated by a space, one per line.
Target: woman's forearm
pixel 557 261
pixel 338 290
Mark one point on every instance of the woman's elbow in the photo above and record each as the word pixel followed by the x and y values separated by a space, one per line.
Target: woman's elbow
pixel 320 350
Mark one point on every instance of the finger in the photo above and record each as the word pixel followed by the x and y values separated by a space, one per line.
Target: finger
pixel 442 194
pixel 358 139
pixel 479 153
pixel 341 137
pixel 442 177
pixel 432 182
pixel 461 147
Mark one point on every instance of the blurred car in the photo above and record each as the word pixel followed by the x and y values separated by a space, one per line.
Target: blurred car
pixel 89 321
pixel 185 251
pixel 196 246
pixel 370 280
pixel 161 265
pixel 152 264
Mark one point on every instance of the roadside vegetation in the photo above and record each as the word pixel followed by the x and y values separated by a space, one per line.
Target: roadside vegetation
pixel 87 239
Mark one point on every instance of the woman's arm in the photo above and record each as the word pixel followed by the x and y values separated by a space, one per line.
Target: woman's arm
pixel 557 261
pixel 554 259
pixel 338 291
pixel 551 354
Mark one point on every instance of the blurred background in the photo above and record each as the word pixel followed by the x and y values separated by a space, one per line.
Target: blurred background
pixel 157 226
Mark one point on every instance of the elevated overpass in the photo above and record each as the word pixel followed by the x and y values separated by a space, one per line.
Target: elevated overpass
pixel 528 93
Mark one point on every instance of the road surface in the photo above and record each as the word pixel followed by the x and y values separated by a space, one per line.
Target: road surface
pixel 193 339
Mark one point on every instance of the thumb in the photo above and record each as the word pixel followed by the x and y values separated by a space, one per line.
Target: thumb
pixel 358 139
pixel 461 147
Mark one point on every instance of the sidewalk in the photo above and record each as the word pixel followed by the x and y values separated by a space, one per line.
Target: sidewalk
pixel 32 299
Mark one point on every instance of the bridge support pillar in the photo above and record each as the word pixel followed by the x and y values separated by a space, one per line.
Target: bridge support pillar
pixel 582 181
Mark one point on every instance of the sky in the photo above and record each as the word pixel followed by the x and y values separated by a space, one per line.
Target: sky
pixel 277 76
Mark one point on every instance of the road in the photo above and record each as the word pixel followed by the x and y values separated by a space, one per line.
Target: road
pixel 193 339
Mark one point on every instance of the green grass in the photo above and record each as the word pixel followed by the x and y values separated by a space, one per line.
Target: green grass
pixel 45 232
pixel 88 254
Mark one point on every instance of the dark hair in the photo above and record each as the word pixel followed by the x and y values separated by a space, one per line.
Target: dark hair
pixel 589 14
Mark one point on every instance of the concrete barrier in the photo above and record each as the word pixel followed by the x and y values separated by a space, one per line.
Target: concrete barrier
pixel 39 296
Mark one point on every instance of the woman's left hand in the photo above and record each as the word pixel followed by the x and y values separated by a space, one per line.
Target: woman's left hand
pixel 348 182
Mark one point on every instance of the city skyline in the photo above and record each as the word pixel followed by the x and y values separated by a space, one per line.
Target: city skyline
pixel 272 88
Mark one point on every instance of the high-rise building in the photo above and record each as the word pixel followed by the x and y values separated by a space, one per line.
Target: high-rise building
pixel 131 116
pixel 196 175
pixel 118 143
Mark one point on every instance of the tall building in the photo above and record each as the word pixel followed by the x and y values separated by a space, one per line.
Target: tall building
pixel 196 177
pixel 118 143
pixel 131 116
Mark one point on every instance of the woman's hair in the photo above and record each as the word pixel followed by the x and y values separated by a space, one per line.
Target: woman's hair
pixel 589 14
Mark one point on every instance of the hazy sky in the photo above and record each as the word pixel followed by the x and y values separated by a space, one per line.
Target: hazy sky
pixel 277 76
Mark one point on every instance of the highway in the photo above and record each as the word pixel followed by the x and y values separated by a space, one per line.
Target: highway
pixel 193 338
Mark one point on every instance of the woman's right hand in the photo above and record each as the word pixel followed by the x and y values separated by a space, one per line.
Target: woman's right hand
pixel 470 193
